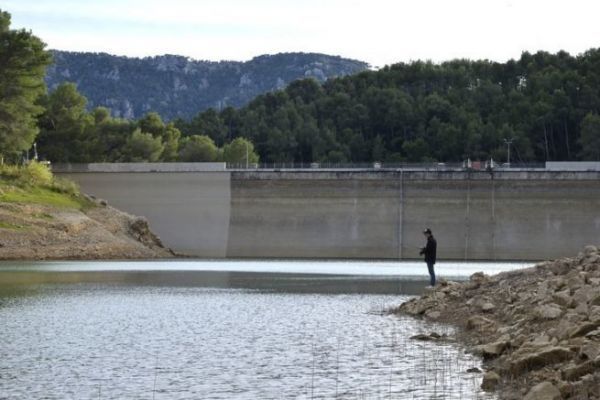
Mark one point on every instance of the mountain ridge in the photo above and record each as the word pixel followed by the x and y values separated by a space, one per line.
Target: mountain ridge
pixel 179 87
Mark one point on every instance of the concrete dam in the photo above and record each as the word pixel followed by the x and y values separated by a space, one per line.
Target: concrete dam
pixel 475 215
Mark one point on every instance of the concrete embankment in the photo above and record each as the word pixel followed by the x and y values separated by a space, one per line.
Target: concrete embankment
pixel 44 232
pixel 538 329
pixel 504 215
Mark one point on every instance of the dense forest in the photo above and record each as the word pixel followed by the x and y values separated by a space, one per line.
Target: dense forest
pixel 547 104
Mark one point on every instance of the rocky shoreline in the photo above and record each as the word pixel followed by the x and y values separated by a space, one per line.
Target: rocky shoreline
pixel 43 232
pixel 537 329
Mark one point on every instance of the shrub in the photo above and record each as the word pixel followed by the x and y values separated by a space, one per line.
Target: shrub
pixel 35 173
pixel 63 185
pixel 9 171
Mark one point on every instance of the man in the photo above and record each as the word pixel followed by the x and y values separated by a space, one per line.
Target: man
pixel 429 251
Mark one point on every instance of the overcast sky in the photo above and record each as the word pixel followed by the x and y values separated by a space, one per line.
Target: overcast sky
pixel 377 31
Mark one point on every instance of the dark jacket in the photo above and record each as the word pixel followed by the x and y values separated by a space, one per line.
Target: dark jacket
pixel 430 250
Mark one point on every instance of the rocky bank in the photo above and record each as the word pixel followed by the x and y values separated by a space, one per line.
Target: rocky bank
pixel 537 329
pixel 42 232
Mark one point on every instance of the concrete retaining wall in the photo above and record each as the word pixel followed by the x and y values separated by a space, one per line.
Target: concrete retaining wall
pixel 525 215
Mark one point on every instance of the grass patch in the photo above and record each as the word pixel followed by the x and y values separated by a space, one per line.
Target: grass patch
pixel 35 184
pixel 43 196
pixel 14 227
pixel 43 216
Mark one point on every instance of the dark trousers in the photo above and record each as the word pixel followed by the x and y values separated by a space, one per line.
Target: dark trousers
pixel 431 273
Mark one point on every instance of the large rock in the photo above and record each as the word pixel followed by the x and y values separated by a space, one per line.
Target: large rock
pixel 538 359
pixel 563 298
pixel 543 391
pixel 584 328
pixel 548 311
pixel 480 323
pixel 490 381
pixel 589 350
pixel 492 350
pixel 577 371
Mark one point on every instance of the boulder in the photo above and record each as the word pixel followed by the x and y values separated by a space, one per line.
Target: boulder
pixel 543 391
pixel 577 371
pixel 491 350
pixel 490 381
pixel 427 338
pixel 487 307
pixel 560 267
pixel 548 311
pixel 590 250
pixel 563 298
pixel 589 350
pixel 539 359
pixel 595 334
pixel 584 328
pixel 479 323
pixel 594 313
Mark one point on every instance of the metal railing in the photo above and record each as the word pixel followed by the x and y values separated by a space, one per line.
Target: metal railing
pixel 433 166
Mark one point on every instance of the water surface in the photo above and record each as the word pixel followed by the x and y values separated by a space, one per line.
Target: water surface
pixel 220 330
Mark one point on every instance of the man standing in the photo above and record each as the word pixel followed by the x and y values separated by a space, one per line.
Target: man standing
pixel 429 251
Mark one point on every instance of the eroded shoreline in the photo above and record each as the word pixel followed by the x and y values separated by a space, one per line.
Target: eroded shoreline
pixel 537 329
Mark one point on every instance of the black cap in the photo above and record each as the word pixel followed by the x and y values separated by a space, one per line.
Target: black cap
pixel 427 231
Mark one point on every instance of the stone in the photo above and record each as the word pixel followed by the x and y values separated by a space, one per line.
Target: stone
pixel 595 334
pixel 560 267
pixel 594 313
pixel 589 350
pixel 478 322
pixel 563 298
pixel 539 359
pixel 492 350
pixel 585 294
pixel 543 391
pixel 424 338
pixel 487 307
pixel 582 309
pixel 474 370
pixel 590 250
pixel 548 311
pixel 584 328
pixel 577 371
pixel 490 381
pixel 574 283
pixel 432 314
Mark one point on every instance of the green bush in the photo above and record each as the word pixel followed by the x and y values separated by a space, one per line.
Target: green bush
pixel 8 171
pixel 37 174
pixel 65 186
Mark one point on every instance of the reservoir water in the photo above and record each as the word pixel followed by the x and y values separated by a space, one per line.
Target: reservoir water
pixel 225 330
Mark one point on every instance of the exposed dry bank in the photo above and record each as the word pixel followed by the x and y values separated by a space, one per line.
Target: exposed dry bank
pixel 42 218
pixel 537 329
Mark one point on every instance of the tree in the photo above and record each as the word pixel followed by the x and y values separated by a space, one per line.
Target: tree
pixel 142 147
pixel 240 151
pixel 590 137
pixel 198 148
pixel 66 128
pixel 171 137
pixel 23 62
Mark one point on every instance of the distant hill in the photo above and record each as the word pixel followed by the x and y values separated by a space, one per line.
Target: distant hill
pixel 176 86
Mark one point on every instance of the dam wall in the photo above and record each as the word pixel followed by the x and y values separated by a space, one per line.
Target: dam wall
pixel 475 215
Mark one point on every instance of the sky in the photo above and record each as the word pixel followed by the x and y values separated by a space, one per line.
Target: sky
pixel 379 32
